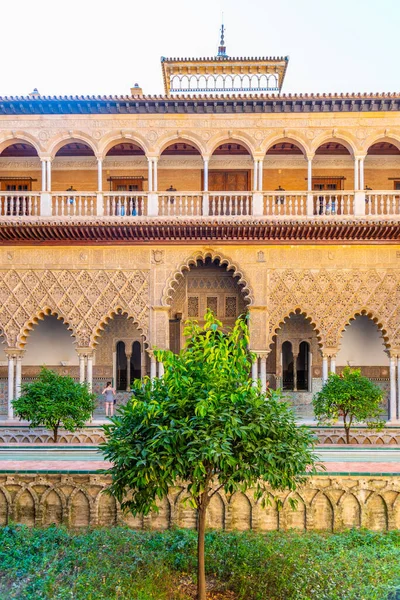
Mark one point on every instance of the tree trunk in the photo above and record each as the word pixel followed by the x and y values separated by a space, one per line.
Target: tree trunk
pixel 201 573
pixel 55 434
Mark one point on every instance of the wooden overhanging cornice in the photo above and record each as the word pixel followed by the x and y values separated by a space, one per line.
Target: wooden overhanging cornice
pixel 264 103
pixel 221 230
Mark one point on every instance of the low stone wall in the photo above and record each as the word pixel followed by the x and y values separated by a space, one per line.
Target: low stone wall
pixel 326 503
pixel 94 434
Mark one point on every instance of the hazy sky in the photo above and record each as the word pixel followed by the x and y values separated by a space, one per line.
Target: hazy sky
pixel 104 47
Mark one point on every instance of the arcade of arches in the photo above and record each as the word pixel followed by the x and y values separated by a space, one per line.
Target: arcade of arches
pixel 304 321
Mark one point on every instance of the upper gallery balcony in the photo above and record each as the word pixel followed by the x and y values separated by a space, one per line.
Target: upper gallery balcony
pixel 123 185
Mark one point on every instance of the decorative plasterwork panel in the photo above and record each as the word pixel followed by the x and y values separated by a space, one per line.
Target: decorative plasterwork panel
pixel 84 299
pixel 331 298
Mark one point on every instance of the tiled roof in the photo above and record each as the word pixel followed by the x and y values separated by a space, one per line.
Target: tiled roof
pixel 262 103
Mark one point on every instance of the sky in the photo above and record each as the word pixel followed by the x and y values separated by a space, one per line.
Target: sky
pixel 79 47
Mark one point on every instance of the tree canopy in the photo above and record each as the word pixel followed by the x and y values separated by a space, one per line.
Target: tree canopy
pixel 352 396
pixel 52 400
pixel 206 425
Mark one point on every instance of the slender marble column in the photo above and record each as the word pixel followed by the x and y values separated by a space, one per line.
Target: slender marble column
pixel 48 175
pixel 255 177
pixel 260 175
pixel 99 175
pixel 10 386
pixel 150 174
pixel 295 372
pixel 392 398
pixel 160 369
pixel 324 369
pixel 153 367
pixel 361 174
pixel 90 371
pixel 309 175
pixel 81 368
pixel 398 389
pixel 254 372
pixel 333 364
pixel 44 186
pixel 356 186
pixel 263 373
pixel 114 365
pixel 18 375
pixel 155 174
pixel 128 372
pixel 205 182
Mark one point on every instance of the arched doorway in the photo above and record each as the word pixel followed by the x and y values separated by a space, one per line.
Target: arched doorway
pixel 362 347
pixel 207 285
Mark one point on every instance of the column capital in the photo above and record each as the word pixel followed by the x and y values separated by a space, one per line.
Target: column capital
pixel 329 352
pixel 14 352
pixel 263 354
pixel 310 156
pixel 85 351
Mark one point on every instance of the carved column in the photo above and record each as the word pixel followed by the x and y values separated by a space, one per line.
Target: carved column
pixel 128 371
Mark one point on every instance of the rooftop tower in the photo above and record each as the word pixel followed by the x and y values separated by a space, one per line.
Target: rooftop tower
pixel 222 74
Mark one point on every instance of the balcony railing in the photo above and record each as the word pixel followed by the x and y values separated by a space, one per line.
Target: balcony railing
pixel 273 205
pixel 19 204
pixel 382 203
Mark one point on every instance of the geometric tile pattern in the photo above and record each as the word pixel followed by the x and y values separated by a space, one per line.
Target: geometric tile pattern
pixel 331 299
pixel 83 299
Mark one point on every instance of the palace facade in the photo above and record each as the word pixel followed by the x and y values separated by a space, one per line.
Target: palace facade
pixel 121 217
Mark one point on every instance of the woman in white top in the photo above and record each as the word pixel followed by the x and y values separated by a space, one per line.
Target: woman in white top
pixel 109 394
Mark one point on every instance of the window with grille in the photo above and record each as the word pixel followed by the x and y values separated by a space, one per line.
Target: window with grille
pixel 212 304
pixel 193 306
pixel 231 306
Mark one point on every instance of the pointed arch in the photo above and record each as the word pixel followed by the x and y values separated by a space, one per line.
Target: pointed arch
pixel 202 256
pixel 112 139
pixel 39 316
pixel 116 310
pixel 70 137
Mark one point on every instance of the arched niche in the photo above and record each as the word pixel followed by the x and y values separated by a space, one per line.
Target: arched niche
pixel 120 342
pixel 50 343
pixel 207 285
pixel 295 362
pixel 230 167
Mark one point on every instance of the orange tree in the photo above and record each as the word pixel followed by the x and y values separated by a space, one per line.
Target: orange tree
pixel 205 424
pixel 352 396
